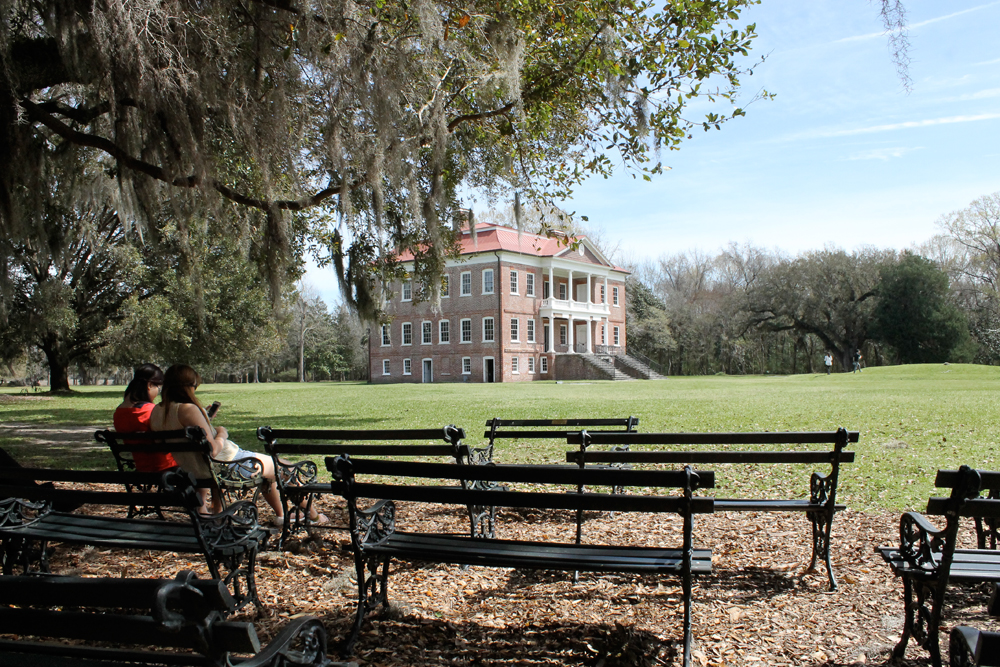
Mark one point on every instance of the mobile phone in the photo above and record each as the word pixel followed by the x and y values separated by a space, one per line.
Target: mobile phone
pixel 213 408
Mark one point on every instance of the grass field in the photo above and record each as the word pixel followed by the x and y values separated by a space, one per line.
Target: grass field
pixel 913 419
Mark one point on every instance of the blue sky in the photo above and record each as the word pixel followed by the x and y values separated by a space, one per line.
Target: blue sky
pixel 842 156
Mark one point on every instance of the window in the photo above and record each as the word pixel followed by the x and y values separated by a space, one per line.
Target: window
pixel 602 294
pixel 488 330
pixel 545 365
pixel 385 335
pixel 385 367
pixel 466 326
pixel 466 365
pixel 445 286
pixel 531 364
pixel 407 333
pixel 407 290
pixel 444 331
pixel 617 339
pixel 513 282
pixel 614 295
pixel 562 291
pixel 545 290
pixel 466 279
pixel 529 285
pixel 562 334
pixel 514 365
pixel 425 333
pixel 604 334
pixel 514 333
pixel 406 367
pixel 487 281
pixel 531 331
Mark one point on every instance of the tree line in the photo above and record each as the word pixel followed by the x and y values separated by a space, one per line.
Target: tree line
pixel 749 310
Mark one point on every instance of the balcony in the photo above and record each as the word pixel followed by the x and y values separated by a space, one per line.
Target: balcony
pixel 565 307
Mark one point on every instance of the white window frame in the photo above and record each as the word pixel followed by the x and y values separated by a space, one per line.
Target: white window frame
pixel 465 283
pixel 562 291
pixel 563 340
pixel 530 328
pixel 492 330
pixel 531 365
pixel 493 284
pixel 604 334
pixel 617 337
pixel 614 296
pixel 461 329
pixel 529 284
pixel 515 365
pixel 543 367
pixel 385 367
pixel 445 286
pixel 546 289
pixel 386 340
pixel 603 295
pixel 444 332
pixel 513 282
pixel 407 332
pixel 426 332
pixel 515 330
pixel 466 365
pixel 407 290
pixel 407 367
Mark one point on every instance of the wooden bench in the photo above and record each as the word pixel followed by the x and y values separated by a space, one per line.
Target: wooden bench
pixel 928 558
pixel 299 483
pixel 237 480
pixel 376 540
pixel 28 523
pixel 141 622
pixel 820 506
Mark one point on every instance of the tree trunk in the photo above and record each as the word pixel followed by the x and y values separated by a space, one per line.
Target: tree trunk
pixel 58 371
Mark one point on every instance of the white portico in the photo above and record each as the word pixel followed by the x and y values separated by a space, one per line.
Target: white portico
pixel 574 308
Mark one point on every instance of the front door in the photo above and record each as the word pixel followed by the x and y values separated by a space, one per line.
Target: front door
pixel 580 336
pixel 428 371
pixel 488 369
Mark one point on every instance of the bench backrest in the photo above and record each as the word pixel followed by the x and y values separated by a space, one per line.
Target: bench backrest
pixel 175 489
pixel 623 441
pixel 966 484
pixel 346 469
pixel 182 613
pixel 369 442
pixel 511 429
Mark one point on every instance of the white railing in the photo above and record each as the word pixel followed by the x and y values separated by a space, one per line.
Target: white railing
pixel 575 306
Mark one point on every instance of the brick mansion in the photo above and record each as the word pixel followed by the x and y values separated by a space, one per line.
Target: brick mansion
pixel 514 308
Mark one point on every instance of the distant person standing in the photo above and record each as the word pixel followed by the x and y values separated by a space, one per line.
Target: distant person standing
pixel 857 361
pixel 828 362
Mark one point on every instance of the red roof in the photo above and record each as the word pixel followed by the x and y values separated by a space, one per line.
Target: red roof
pixel 490 238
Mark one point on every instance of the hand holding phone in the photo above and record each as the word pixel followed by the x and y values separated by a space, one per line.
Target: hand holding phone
pixel 213 408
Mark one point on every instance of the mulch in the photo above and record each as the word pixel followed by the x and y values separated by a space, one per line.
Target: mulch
pixel 757 608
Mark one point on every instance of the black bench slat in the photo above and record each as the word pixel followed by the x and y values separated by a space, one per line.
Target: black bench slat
pixel 79 497
pixel 50 654
pixel 365 435
pixel 334 449
pixel 417 547
pixel 88 476
pixel 971 508
pixel 751 505
pixel 540 500
pixel 763 438
pixel 94 592
pixel 705 457
pixel 626 422
pixel 946 479
pixel 529 474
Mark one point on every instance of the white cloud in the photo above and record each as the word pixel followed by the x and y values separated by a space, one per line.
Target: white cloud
pixel 889 127
pixel 988 62
pixel 920 24
pixel 883 154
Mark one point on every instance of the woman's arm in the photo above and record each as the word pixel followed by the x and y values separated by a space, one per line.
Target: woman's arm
pixel 189 414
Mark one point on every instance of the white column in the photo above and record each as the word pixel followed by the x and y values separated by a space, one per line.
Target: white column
pixel 590 295
pixel 569 333
pixel 552 283
pixel 569 289
pixel 590 328
pixel 606 290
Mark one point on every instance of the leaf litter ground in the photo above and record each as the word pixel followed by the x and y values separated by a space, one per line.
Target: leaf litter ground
pixel 757 608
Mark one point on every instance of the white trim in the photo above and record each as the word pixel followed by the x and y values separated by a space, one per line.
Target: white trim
pixel 386 335
pixel 617 338
pixel 407 286
pixel 385 367
pixel 493 282
pixel 543 365
pixel 447 327
pixel 426 326
pixel 461 331
pixel 407 366
pixel 529 327
pixel 402 333
pixel 461 283
pixel 493 325
pixel 515 365
pixel 446 286
pixel 614 295
pixel 515 330
pixel 529 281
pixel 485 359
pixel 464 360
pixel 514 282
pixel 423 370
pixel 531 365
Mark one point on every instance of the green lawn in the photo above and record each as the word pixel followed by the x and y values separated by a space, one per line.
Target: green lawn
pixel 913 419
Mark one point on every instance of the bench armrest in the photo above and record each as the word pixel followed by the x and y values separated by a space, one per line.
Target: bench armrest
pixel 375 524
pixel 236 526
pixel 920 543
pixel 820 488
pixel 20 511
pixel 245 473
pixel 295 474
pixel 301 642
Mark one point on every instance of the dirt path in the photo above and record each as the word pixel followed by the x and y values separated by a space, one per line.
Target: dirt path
pixel 51 436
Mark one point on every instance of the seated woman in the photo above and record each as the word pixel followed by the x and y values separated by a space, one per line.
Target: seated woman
pixel 179 407
pixel 133 415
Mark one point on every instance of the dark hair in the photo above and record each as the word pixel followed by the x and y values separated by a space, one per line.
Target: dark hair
pixel 138 389
pixel 179 383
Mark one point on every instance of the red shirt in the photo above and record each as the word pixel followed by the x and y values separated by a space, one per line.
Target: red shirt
pixel 136 418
